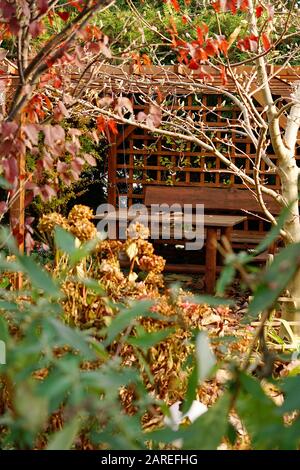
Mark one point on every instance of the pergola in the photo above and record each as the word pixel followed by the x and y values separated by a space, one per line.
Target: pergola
pixel 137 157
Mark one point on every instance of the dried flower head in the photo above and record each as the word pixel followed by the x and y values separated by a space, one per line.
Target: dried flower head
pixel 138 230
pixel 83 229
pixel 48 222
pixel 79 213
pixel 107 248
pixel 153 263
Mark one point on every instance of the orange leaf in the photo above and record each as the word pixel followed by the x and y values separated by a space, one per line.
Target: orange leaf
pixel 113 126
pixel 266 41
pixel 211 48
pixel 259 10
pixel 64 15
pixel 175 5
pixel 101 123
pixel 193 65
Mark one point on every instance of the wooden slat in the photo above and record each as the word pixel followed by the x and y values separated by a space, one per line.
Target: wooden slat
pixel 228 199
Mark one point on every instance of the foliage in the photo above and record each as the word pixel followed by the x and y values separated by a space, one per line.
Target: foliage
pixel 104 381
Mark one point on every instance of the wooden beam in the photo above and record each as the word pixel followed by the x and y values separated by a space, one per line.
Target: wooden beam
pixel 112 168
pixel 17 215
pixel 128 130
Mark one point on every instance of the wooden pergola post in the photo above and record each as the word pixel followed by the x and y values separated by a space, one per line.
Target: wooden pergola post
pixel 112 170
pixel 17 214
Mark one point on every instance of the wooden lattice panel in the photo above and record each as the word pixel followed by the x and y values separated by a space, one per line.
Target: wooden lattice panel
pixel 142 158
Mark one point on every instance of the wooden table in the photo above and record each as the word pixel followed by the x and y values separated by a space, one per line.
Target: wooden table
pixel 212 223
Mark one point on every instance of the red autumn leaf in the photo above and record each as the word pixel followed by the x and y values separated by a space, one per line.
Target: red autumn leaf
pixel 112 125
pixel 200 54
pixel 49 62
pixel 32 132
pixel 36 28
pixel 101 123
pixel 184 19
pixel 3 207
pixel 47 193
pixel 146 59
pixel 193 65
pixel 10 167
pixel 57 81
pixel 223 44
pixel 230 5
pixel 29 243
pixel 258 11
pixel 266 41
pixel 211 48
pixel 14 26
pixel 77 4
pixel 8 9
pixel 216 6
pixel 8 129
pixel 42 6
pixel 244 5
pixel 77 164
pixel 175 5
pixel 64 15
pixel 249 43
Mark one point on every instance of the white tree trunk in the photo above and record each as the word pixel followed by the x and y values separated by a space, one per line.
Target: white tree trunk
pixel 289 175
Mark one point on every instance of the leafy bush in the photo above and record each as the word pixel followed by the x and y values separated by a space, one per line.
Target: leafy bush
pixel 97 386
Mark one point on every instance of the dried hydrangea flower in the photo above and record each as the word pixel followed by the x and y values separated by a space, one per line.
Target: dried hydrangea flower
pixel 79 213
pixel 48 222
pixel 83 229
pixel 138 230
pixel 153 263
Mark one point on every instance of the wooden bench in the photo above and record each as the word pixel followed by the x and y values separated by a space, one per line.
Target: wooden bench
pixel 227 201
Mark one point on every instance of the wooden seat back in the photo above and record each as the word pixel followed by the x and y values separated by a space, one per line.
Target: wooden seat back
pixel 214 199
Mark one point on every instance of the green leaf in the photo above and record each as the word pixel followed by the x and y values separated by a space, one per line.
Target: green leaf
pixel 4 282
pixel 38 277
pixel 7 239
pixel 291 389
pixel 275 279
pixel 9 306
pixel 94 286
pixel 204 356
pixel 63 440
pixel 4 333
pixel 83 251
pixel 209 300
pixel 110 380
pixel 64 240
pixel 208 430
pixel 146 340
pixel 4 184
pixel 274 233
pixel 71 337
pixel 192 389
pixel 124 318
pixel 262 417
pixel 232 434
pixel 225 279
